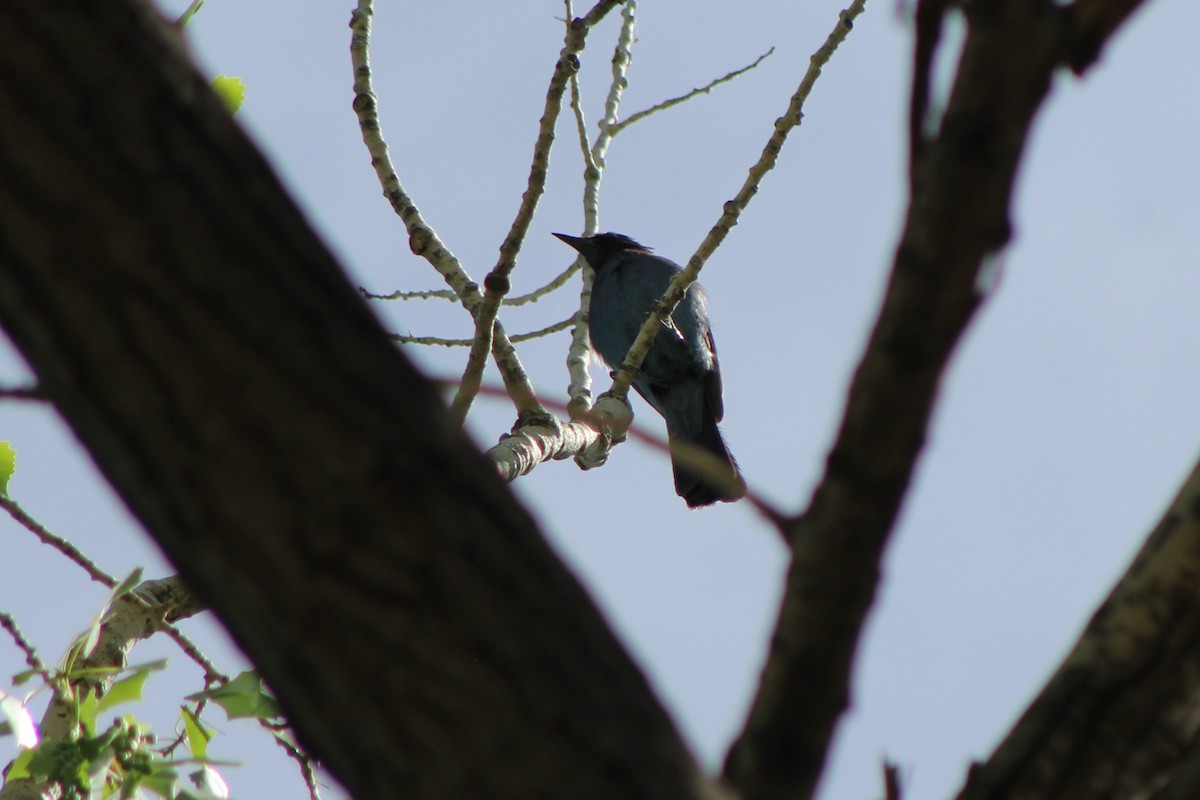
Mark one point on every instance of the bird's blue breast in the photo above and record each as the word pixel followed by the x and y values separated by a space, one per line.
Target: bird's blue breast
pixel 625 291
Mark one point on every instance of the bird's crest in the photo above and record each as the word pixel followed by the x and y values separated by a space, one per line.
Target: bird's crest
pixel 619 241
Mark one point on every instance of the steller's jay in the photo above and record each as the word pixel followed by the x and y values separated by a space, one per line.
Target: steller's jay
pixel 680 376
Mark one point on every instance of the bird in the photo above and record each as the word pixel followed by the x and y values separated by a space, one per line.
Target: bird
pixel 680 377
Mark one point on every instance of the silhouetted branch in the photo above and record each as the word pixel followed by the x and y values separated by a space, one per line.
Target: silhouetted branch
pixel 32 660
pixel 284 453
pixel 957 223
pixel 1135 668
pixel 893 788
pixel 21 393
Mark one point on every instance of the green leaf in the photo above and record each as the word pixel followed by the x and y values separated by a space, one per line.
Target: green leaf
pixel 89 707
pixel 161 781
pixel 86 643
pixel 126 586
pixel 8 464
pixel 22 678
pixel 47 757
pixel 188 13
pixel 231 90
pixel 126 690
pixel 20 766
pixel 198 736
pixel 244 696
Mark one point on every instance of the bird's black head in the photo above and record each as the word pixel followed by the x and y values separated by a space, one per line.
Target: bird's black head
pixel 603 246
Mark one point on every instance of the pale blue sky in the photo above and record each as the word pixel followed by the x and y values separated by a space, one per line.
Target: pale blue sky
pixel 1067 421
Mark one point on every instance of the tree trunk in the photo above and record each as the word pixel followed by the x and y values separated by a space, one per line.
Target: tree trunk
pixel 207 350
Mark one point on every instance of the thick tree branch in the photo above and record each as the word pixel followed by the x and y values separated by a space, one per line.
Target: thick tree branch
pixel 236 391
pixel 1118 719
pixel 957 222
pixel 1092 22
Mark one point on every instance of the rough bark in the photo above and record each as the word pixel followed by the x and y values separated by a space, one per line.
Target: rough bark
pixel 962 169
pixel 231 385
pixel 1119 719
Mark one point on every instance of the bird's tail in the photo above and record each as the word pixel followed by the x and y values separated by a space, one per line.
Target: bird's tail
pixel 705 470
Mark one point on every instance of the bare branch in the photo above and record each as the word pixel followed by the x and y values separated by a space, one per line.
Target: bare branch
pixel 303 760
pixel 579 390
pixel 498 281
pixel 32 660
pixel 520 337
pixel 517 455
pixel 422 239
pixel 734 208
pixel 189 648
pixel 57 542
pixel 445 294
pixel 423 294
pixel 622 58
pixel 75 555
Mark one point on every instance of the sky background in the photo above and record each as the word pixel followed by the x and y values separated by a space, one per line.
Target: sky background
pixel 1066 422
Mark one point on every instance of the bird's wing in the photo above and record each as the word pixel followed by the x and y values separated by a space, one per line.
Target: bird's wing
pixel 712 381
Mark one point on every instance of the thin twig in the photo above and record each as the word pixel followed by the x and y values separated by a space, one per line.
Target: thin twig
pixel 520 337
pixel 683 98
pixel 24 645
pixel 303 759
pixel 579 389
pixel 893 785
pixel 58 543
pixel 424 294
pixel 22 393
pixel 189 648
pixel 621 60
pixel 100 576
pixel 556 282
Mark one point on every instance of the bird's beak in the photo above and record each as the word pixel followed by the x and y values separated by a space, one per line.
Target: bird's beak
pixel 575 241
